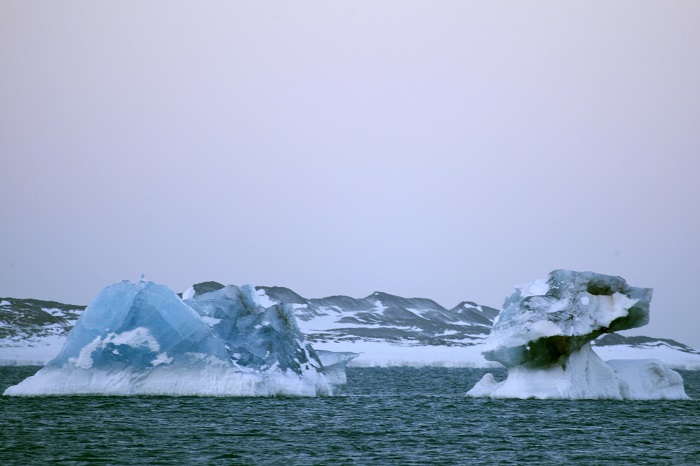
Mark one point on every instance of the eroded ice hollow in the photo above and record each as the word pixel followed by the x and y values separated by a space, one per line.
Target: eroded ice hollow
pixel 543 336
pixel 142 339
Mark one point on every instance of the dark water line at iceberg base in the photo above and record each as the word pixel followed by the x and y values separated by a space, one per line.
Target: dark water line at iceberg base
pixel 387 416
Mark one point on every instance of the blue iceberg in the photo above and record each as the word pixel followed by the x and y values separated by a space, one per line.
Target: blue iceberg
pixel 543 337
pixel 256 336
pixel 142 339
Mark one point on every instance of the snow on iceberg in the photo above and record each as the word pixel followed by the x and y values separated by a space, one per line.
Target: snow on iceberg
pixel 141 339
pixel 543 336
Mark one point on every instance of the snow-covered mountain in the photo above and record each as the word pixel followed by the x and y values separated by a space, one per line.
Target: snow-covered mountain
pixel 32 331
pixel 385 329
pixel 382 317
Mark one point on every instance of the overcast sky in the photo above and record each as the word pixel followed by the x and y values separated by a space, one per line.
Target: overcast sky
pixel 447 150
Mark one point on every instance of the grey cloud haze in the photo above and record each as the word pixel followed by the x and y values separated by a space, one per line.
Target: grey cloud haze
pixel 448 150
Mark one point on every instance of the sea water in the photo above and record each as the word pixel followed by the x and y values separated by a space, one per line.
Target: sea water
pixel 383 416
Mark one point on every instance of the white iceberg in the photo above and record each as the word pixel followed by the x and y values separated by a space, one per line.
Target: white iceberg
pixel 141 339
pixel 543 336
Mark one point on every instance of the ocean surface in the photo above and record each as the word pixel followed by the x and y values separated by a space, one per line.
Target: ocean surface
pixel 384 416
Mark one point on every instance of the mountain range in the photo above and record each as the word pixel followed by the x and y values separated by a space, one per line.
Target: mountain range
pixel 385 329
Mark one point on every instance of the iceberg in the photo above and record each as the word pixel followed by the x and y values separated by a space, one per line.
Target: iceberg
pixel 142 339
pixel 335 363
pixel 543 337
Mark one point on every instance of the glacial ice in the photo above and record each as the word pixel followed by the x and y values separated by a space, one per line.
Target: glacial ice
pixel 543 336
pixel 255 335
pixel 141 339
pixel 335 363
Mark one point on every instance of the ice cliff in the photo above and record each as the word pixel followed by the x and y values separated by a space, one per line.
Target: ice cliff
pixel 141 338
pixel 543 337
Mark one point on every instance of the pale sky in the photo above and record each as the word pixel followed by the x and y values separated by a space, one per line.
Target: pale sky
pixel 447 150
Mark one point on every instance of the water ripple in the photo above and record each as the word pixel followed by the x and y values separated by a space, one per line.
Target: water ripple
pixel 386 416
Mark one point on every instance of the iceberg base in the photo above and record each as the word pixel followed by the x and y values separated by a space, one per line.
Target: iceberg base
pixel 586 376
pixel 172 381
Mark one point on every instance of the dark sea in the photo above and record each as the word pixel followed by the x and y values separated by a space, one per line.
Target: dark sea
pixel 384 416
